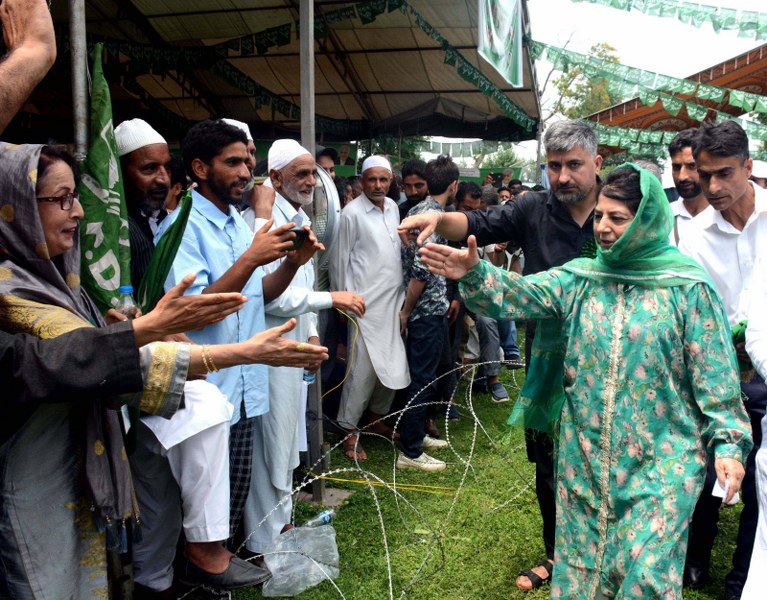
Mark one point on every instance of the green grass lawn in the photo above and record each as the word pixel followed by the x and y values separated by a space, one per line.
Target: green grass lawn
pixel 463 533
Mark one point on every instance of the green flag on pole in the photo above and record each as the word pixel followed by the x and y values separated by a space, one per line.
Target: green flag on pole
pixel 104 240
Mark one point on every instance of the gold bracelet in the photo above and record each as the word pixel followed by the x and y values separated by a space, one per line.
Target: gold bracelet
pixel 210 359
pixel 205 359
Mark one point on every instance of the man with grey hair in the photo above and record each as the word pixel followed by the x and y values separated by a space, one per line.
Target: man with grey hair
pixel 551 227
pixel 280 433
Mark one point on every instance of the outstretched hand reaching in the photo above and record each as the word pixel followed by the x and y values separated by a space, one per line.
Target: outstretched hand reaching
pixel 450 262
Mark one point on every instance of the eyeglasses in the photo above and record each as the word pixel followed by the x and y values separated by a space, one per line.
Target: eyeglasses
pixel 66 201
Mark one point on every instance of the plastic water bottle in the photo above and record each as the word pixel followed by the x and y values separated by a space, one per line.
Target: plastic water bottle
pixel 126 305
pixel 309 378
pixel 325 517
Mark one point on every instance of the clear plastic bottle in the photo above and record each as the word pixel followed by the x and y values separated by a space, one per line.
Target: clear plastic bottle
pixel 325 517
pixel 309 378
pixel 126 304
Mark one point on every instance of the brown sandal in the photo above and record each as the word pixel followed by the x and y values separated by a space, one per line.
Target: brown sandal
pixel 353 450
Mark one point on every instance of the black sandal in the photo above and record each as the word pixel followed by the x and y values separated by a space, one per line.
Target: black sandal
pixel 535 579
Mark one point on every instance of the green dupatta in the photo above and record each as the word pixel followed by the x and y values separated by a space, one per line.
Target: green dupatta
pixel 642 256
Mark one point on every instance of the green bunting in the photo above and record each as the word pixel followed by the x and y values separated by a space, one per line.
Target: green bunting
pixel 746 23
pixel 629 81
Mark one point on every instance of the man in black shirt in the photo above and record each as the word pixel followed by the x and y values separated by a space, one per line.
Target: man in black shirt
pixel 551 227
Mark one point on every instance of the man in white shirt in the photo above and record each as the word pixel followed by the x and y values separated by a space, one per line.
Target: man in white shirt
pixel 280 434
pixel 367 260
pixel 725 243
pixel 756 345
pixel 684 172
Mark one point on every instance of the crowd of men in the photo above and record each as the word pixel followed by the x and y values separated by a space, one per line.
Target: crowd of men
pixel 224 464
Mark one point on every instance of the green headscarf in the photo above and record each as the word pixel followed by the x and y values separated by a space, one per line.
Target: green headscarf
pixel 642 256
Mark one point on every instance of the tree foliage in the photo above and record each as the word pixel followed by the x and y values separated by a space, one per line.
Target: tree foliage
pixel 503 158
pixel 398 149
pixel 579 96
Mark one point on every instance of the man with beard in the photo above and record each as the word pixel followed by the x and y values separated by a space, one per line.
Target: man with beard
pixel 280 434
pixel 424 318
pixel 551 227
pixel 144 162
pixel 414 185
pixel 173 456
pixel 685 174
pixel 727 241
pixel 220 248
pixel 366 260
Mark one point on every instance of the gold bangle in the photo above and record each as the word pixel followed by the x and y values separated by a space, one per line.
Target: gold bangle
pixel 205 359
pixel 210 359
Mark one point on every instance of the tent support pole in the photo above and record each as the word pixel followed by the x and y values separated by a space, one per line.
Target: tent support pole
pixel 314 393
pixel 307 74
pixel 79 53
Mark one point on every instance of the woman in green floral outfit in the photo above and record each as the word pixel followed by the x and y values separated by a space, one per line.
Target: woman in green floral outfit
pixel 649 386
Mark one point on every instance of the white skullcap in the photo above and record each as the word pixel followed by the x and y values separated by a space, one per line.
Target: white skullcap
pixel 376 161
pixel 239 125
pixel 134 134
pixel 759 169
pixel 284 152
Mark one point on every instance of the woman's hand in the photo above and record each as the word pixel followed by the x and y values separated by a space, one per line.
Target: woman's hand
pixel 450 262
pixel 176 313
pixel 729 470
pixel 270 348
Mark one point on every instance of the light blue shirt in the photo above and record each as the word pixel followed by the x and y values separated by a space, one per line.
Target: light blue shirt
pixel 211 244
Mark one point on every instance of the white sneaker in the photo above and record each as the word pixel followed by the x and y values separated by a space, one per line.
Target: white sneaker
pixel 422 463
pixel 430 443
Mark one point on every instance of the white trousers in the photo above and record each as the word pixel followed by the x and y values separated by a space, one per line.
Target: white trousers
pixel 186 485
pixel 265 496
pixel 756 583
pixel 362 389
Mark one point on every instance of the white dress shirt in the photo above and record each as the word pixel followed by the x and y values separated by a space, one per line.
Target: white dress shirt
pixel 683 220
pixel 729 255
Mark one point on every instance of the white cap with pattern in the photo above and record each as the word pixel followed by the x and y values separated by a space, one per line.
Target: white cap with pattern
pixel 134 134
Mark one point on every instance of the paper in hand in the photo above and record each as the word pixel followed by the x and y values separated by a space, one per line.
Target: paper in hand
pixel 721 492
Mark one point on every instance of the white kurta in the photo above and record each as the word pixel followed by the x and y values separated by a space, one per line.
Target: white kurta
pixel 279 434
pixel 366 260
pixel 756 345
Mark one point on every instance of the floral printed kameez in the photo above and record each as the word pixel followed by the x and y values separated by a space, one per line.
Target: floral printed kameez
pixel 650 386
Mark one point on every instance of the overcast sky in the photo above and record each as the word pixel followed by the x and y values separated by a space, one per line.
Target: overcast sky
pixel 660 44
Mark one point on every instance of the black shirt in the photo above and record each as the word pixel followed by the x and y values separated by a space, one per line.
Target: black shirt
pixel 536 222
pixel 141 248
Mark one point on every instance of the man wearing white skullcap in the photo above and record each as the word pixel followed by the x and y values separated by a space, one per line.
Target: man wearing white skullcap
pixel 366 260
pixel 251 162
pixel 144 160
pixel 280 434
pixel 173 456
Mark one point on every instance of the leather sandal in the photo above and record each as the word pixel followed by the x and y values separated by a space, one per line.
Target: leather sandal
pixel 353 450
pixel 536 580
